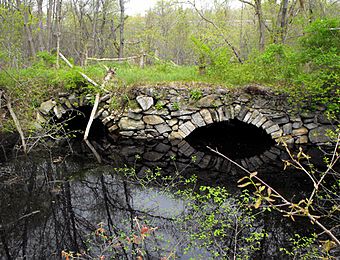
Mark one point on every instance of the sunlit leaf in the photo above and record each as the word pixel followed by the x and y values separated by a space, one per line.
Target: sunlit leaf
pixel 269 191
pixel 253 174
pixel 240 180
pixel 244 184
pixel 258 203
pixel 328 245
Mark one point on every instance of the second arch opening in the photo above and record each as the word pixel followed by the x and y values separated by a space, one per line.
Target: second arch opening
pixel 232 138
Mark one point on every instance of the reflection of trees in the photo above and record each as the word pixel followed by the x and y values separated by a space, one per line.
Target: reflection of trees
pixel 45 210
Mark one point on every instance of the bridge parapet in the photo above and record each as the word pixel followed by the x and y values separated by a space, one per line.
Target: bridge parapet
pixel 174 112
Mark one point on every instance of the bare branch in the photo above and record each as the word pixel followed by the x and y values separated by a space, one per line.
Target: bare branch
pixel 237 55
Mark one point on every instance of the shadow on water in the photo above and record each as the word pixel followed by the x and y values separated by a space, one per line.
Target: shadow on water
pixel 51 202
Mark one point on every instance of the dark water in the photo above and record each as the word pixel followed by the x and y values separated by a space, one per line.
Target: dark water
pixel 54 200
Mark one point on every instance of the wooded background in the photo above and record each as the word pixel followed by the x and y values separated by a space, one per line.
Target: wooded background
pixel 180 31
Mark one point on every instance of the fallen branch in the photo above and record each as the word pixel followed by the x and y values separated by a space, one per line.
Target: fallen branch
pixel 93 113
pixel 110 73
pixel 17 124
pixel 82 74
pixel 115 59
pixel 94 151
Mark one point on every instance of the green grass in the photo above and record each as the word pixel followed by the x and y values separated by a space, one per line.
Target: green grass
pixel 129 75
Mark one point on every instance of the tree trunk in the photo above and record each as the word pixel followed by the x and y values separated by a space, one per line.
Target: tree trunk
pixel 40 25
pixel 58 33
pixel 121 36
pixel 94 29
pixel 283 24
pixel 28 28
pixel 259 14
pixel 49 24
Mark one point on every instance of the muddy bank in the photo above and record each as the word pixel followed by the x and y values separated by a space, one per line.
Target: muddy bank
pixel 8 141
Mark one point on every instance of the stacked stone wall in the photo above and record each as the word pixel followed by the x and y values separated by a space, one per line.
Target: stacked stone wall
pixel 174 112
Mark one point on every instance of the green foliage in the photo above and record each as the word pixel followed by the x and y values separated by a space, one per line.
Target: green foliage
pixel 159 105
pixel 305 248
pixel 196 94
pixel 321 43
pixel 176 106
pixel 222 225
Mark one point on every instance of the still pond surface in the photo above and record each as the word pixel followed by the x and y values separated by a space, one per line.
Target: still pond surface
pixel 156 200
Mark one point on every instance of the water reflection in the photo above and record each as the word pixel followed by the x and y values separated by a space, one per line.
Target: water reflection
pixel 50 203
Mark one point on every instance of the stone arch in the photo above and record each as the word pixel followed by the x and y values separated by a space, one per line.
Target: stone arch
pixel 67 107
pixel 252 116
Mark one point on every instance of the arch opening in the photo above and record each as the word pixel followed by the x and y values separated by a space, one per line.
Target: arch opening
pixel 233 138
pixel 75 121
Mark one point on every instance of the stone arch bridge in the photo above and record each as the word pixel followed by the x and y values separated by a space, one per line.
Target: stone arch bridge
pixel 173 112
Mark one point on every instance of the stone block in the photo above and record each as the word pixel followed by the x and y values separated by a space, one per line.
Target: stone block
pixel 126 133
pixel 261 122
pixel 206 116
pixel 247 116
pixel 187 128
pixel 209 101
pixel 152 156
pixel 182 112
pixel 276 134
pixel 162 148
pixel 308 120
pixel 108 119
pixel 40 119
pixel 126 123
pixel 113 128
pixel 237 110
pixel 253 116
pixel 287 128
pixel 319 134
pixel 153 120
pixel 272 129
pixel 322 119
pixel 214 115
pixel 105 98
pixel 297 124
pixel 281 120
pixel 221 115
pixel 232 112
pixel 257 119
pixel 242 114
pixel 59 111
pixel 145 102
pixel 105 113
pixel 68 104
pixel 227 112
pixel 311 126
pixel 302 139
pixel 159 112
pixel 172 122
pixel 185 118
pixel 288 139
pixel 300 131
pixel 198 120
pixel 174 135
pixel 73 100
pixel 163 128
pixel 47 106
pixel 268 124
